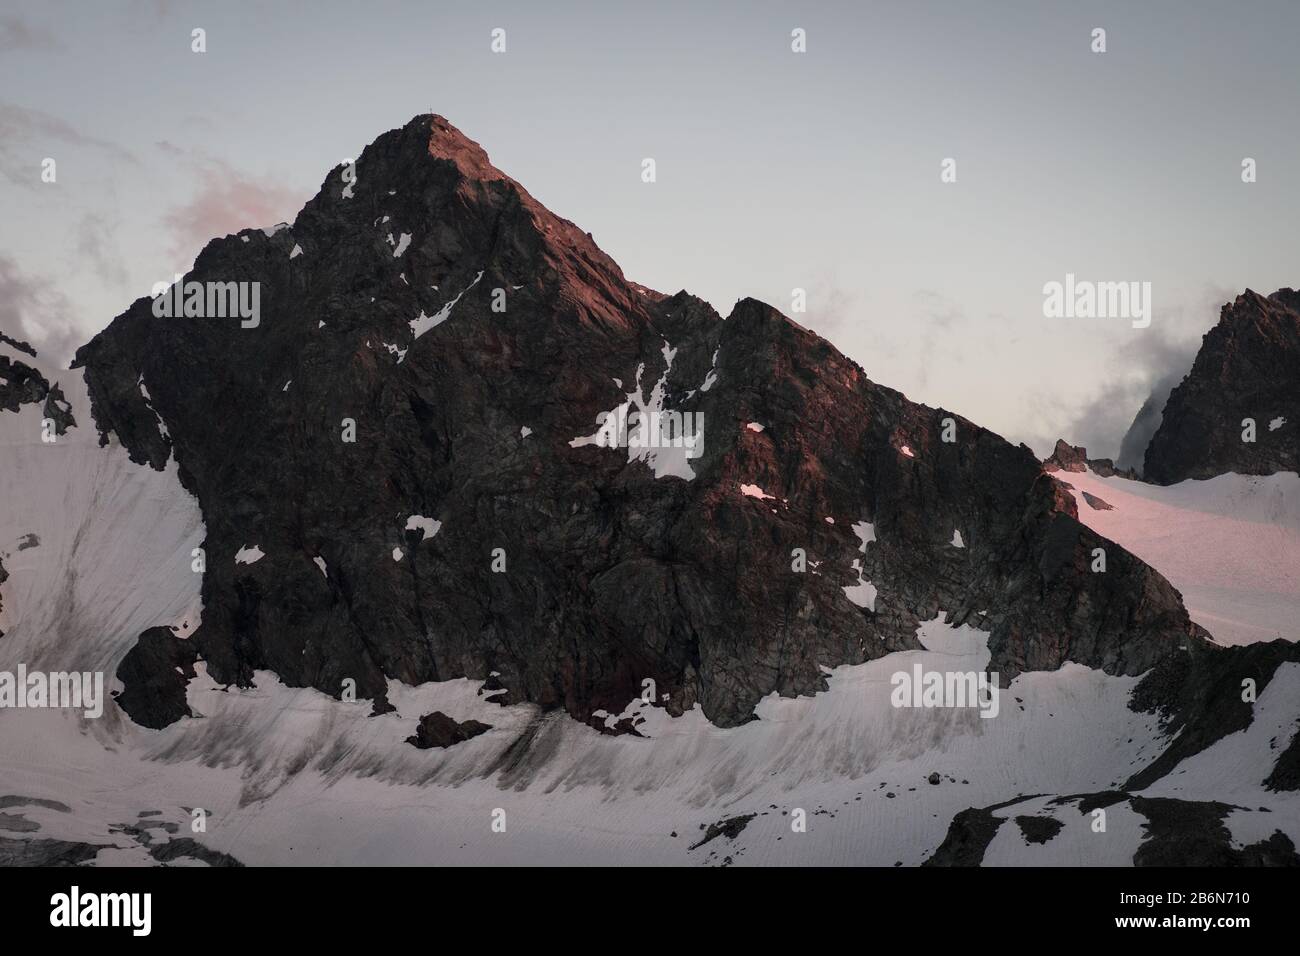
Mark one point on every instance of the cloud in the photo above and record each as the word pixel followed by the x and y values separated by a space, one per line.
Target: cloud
pixel 33 309
pixel 27 136
pixel 1119 422
pixel 1133 446
pixel 830 308
pixel 16 35
pixel 158 8
pixel 936 317
pixel 224 202
pixel 96 242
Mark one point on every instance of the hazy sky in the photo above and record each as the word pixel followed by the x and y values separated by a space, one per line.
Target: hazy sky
pixel 776 170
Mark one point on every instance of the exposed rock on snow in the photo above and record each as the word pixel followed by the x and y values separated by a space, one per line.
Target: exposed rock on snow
pixel 439 730
pixel 155 674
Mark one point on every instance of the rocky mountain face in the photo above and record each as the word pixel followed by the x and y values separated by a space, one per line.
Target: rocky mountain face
pixel 1248 368
pixel 401 474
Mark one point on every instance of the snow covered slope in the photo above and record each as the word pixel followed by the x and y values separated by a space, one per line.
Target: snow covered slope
pixel 97 548
pixel 1230 544
pixel 293 776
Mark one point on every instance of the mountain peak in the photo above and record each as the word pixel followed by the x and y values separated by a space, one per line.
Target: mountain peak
pixel 449 143
pixel 1238 408
pixel 436 349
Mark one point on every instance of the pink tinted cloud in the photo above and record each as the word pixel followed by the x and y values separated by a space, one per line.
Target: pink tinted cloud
pixel 226 201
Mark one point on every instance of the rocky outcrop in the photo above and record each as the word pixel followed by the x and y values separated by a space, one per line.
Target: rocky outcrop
pixel 20 345
pixel 1039 829
pixel 154 675
pixel 969 835
pixel 399 474
pixel 439 730
pixel 729 828
pixel 21 384
pixel 1248 368
pixel 1175 832
pixel 1067 457
pixel 1193 833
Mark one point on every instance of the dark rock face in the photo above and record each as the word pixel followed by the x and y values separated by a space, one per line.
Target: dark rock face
pixel 439 730
pixel 1175 833
pixel 1199 697
pixel 969 835
pixel 42 851
pixel 20 384
pixel 1039 829
pixel 568 569
pixel 1192 833
pixel 1248 367
pixel 187 848
pixel 154 675
pixel 1286 772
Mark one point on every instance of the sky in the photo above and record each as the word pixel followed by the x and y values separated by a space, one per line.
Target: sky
pixel 775 170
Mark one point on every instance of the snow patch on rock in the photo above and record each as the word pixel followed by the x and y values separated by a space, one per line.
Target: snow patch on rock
pixel 247 555
pixel 863 593
pixel 427 527
pixel 423 323
pixel 668 455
